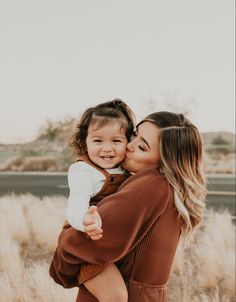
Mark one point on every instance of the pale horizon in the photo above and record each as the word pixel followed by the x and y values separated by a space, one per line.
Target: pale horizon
pixel 58 58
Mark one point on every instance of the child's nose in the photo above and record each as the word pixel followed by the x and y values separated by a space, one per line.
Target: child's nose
pixel 107 147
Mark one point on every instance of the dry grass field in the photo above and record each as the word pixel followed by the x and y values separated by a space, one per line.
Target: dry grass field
pixel 225 164
pixel 203 272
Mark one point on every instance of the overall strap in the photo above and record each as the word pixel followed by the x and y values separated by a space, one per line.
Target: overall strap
pixel 87 160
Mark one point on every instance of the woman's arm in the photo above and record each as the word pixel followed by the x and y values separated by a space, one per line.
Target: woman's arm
pixel 126 216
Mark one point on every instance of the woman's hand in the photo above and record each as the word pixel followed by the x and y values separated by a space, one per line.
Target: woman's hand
pixel 92 223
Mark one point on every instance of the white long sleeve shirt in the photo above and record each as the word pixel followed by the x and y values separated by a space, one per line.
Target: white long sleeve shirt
pixel 84 182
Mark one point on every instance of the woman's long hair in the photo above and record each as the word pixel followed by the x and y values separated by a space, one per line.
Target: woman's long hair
pixel 181 153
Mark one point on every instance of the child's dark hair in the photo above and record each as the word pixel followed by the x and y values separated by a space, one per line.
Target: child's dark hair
pixel 101 115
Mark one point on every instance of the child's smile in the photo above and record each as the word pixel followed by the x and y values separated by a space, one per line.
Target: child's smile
pixel 106 146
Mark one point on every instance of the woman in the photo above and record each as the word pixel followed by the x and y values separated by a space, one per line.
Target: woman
pixel 143 221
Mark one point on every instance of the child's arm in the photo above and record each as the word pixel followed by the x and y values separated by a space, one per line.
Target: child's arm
pixel 91 223
pixel 81 185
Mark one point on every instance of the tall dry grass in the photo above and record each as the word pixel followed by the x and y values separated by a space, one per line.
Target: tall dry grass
pixel 220 164
pixel 29 228
pixel 203 272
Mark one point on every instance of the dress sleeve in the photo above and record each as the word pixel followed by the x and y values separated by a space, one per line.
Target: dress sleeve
pixel 126 216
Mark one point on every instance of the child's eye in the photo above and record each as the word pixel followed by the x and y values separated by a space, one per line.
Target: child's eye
pixel 97 141
pixel 116 140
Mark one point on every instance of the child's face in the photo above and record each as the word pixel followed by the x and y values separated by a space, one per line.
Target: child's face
pixel 106 146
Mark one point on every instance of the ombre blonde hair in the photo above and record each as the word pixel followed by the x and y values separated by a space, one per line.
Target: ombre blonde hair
pixel 181 153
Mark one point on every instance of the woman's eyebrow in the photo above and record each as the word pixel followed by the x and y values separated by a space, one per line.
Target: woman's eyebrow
pixel 145 142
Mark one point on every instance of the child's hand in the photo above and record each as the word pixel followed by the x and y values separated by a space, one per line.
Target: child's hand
pixel 91 222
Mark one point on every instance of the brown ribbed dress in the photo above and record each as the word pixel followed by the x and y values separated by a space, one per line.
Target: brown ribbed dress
pixel 141 234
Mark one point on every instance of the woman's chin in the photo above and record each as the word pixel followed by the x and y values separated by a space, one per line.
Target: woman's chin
pixel 126 166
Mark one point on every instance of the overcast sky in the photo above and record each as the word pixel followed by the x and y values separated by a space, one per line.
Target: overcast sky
pixel 59 57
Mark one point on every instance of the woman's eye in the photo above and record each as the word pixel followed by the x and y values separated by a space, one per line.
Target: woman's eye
pixel 141 148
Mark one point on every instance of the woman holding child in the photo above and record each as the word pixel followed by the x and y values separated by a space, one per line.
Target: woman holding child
pixel 143 221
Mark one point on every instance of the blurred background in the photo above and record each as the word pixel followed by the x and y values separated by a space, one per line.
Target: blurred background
pixel 57 59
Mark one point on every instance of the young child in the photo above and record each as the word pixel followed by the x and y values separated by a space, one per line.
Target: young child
pixel 100 146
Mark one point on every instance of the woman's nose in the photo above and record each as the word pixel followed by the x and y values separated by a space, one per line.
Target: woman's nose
pixel 130 146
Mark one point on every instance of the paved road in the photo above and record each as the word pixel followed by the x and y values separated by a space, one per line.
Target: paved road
pixel 221 187
pixel 38 184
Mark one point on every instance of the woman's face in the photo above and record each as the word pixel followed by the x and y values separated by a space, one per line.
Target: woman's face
pixel 143 150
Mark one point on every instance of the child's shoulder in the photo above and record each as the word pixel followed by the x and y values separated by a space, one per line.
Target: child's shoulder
pixel 81 166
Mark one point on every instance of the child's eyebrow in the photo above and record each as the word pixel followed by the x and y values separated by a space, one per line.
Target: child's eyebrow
pixel 118 136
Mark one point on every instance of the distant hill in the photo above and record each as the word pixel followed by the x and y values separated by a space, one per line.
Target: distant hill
pixel 208 137
pixel 60 138
pixel 50 150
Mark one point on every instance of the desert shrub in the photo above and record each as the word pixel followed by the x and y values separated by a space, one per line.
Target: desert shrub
pixel 28 150
pixel 59 162
pixel 219 140
pixel 64 159
pixel 223 164
pixel 218 151
pixel 53 130
pixel 31 163
pixel 204 271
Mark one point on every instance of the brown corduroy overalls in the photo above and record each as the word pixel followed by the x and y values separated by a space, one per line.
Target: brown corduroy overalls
pixel 111 184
